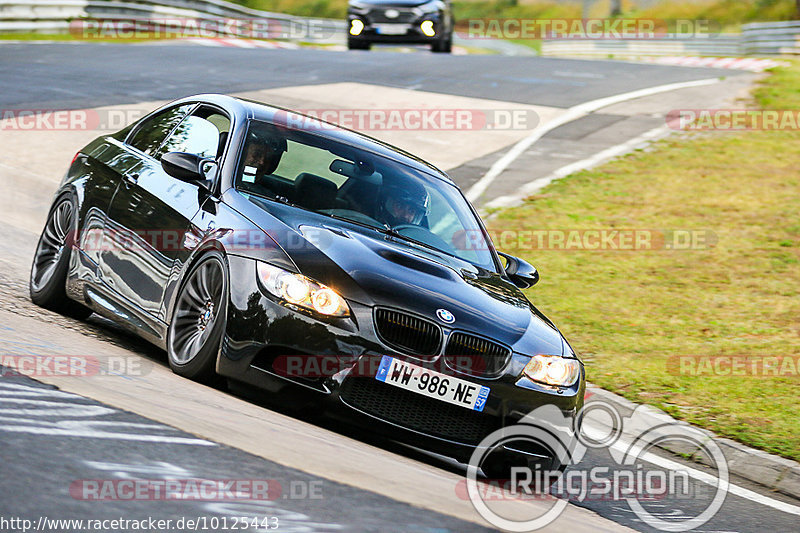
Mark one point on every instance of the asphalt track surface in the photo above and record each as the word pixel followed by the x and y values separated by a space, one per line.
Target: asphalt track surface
pixel 101 74
pixel 150 424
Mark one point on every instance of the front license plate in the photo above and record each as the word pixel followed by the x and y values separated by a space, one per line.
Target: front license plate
pixel 391 29
pixel 432 384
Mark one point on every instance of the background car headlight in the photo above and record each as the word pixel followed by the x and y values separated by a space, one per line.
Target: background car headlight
pixel 356 26
pixel 301 291
pixel 553 370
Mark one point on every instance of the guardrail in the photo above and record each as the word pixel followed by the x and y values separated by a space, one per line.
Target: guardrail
pixel 761 38
pixel 56 16
pixel 723 45
pixel 769 38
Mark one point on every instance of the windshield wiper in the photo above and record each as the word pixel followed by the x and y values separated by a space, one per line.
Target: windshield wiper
pixel 351 220
pixel 386 229
pixel 391 232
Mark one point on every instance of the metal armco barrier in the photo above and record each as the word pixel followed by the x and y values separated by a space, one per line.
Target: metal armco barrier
pixel 723 45
pixel 769 38
pixel 762 38
pixel 56 16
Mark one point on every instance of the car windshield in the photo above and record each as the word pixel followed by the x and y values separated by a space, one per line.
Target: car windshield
pixel 344 182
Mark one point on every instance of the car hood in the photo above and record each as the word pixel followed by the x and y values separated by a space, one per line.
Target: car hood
pixel 377 270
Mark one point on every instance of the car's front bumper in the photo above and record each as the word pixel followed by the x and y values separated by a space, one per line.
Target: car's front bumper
pixel 411 28
pixel 262 334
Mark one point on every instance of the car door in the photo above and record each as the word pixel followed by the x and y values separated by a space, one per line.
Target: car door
pixel 103 165
pixel 151 212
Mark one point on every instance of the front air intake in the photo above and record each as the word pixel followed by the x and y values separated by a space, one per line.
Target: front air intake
pixel 407 333
pixel 475 355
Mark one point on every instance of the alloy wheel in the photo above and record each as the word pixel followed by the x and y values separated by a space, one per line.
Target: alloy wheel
pixel 196 312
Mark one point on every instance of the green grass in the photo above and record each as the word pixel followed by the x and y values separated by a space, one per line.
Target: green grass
pixel 35 37
pixel 627 312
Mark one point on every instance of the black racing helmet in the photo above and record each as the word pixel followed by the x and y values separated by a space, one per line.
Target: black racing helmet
pixel 403 201
pixel 268 137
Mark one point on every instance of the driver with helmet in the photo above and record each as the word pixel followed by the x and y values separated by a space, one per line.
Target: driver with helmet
pixel 403 202
pixel 265 147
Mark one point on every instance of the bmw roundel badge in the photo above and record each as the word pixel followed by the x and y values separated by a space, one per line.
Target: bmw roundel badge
pixel 445 316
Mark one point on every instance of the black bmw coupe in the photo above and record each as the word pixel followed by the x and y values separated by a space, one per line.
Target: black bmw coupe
pixel 292 255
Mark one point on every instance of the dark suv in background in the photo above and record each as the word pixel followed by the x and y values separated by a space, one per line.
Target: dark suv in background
pixel 400 21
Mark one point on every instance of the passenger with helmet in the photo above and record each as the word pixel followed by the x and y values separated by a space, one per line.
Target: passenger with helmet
pixel 403 201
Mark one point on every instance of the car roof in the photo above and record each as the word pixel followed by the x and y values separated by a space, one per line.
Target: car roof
pixel 250 109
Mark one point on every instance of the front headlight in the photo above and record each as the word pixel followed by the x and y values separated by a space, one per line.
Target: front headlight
pixel 430 7
pixel 553 370
pixel 301 291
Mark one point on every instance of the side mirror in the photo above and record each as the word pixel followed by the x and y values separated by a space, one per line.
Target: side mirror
pixel 189 167
pixel 522 273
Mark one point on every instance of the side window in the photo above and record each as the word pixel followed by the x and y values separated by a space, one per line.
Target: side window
pixel 203 133
pixel 152 132
pixel 300 158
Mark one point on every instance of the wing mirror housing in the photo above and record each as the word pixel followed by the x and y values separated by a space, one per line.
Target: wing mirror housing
pixel 190 168
pixel 520 272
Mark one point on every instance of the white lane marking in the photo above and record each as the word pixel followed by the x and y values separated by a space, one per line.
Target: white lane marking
pixel 15 417
pixel 94 430
pixel 46 408
pixel 569 115
pixel 703 477
pixel 536 185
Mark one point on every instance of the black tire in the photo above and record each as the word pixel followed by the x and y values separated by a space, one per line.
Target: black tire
pixel 358 44
pixel 443 46
pixel 51 261
pixel 195 331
